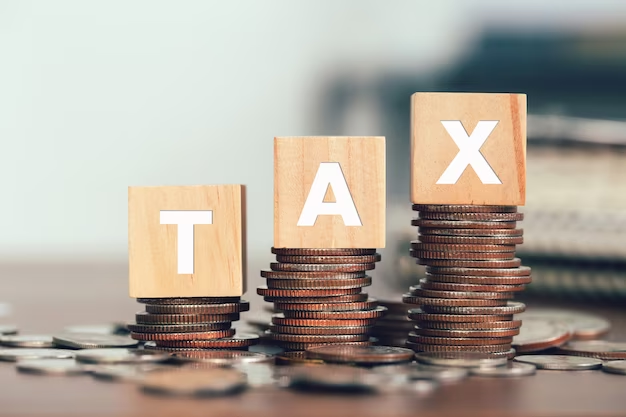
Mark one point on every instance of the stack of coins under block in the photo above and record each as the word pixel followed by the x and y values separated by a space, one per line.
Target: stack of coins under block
pixel 173 324
pixel 318 292
pixel 471 274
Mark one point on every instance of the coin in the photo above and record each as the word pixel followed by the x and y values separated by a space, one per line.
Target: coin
pixel 195 382
pixel 275 328
pixel 448 302
pixel 511 369
pixel 305 346
pixel 473 333
pixel 133 372
pixel 280 319
pixel 27 341
pixel 223 357
pixel 470 263
pixel 462 359
pixel 478 280
pixel 600 349
pixel 422 292
pixel 471 232
pixel 296 358
pixel 336 315
pixel 178 328
pixel 8 329
pixel 584 326
pixel 215 334
pixel 421 347
pixel 471 240
pixel 270 292
pixel 198 308
pixel 318 284
pixel 420 371
pixel 148 318
pixel 347 298
pixel 365 305
pixel 484 272
pixel 426 256
pixel 463 208
pixel 615 367
pixel 92 341
pixel 482 217
pixel 334 378
pixel 119 356
pixel 320 259
pixel 421 315
pixel 454 286
pixel 50 367
pixel 311 275
pixel 512 307
pixel 188 300
pixel 323 251
pixel 306 338
pixel 13 355
pixel 360 354
pixel 436 247
pixel 512 325
pixel 463 224
pixel 537 334
pixel 321 267
pixel 458 341
pixel 560 362
pixel 238 340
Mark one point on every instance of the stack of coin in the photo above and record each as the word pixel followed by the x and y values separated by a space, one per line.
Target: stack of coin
pixel 393 328
pixel 471 274
pixel 319 294
pixel 174 324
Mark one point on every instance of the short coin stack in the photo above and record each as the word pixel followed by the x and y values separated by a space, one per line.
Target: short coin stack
pixel 173 324
pixel 319 294
pixel 471 274
pixel 393 328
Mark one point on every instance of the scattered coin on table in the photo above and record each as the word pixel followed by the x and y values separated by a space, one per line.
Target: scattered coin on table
pixel 511 369
pixel 334 378
pixel 8 329
pixel 539 334
pixel 13 355
pixel 560 362
pixel 583 325
pixel 615 367
pixel 132 373
pixel 194 382
pixel 120 356
pixel 92 341
pixel 600 349
pixel 222 357
pixel 461 359
pixel 50 367
pixel 27 341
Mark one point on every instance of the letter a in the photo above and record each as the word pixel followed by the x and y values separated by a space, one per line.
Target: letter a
pixel 329 174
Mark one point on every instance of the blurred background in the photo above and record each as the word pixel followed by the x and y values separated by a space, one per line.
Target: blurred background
pixel 97 96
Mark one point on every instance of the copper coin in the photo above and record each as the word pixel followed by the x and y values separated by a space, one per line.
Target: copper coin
pixel 600 349
pixel 215 334
pixel 366 305
pixel 363 259
pixel 487 325
pixel 491 217
pixel 311 275
pixel 275 328
pixel 494 264
pixel 321 267
pixel 296 358
pixel 148 318
pixel 471 232
pixel 471 240
pixel 349 298
pixel 189 300
pixel 271 292
pixel 484 272
pixel 584 326
pixel 323 251
pixel 305 346
pixel 318 284
pixel 317 338
pixel 421 315
pixel 337 315
pixel 395 308
pixel 463 208
pixel 466 333
pixel 240 340
pixel 422 292
pixel 453 286
pixel 462 224
pixel 465 359
pixel 361 355
pixel 449 302
pixel 480 281
pixel 199 308
pixel 474 256
pixel 177 328
pixel 459 341
pixel 538 334
pixel 420 347
pixel 512 307
pixel 280 319
pixel 439 247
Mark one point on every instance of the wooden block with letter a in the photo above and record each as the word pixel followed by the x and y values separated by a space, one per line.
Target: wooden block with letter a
pixel 468 148
pixel 186 241
pixel 329 192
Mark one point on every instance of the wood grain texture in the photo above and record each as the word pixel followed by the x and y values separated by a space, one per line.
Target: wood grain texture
pixel 433 149
pixel 296 162
pixel 219 248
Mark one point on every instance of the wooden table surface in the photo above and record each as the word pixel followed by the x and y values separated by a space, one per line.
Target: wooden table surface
pixel 45 298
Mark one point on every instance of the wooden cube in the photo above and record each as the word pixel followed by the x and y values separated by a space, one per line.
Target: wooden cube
pixel 468 148
pixel 186 241
pixel 329 192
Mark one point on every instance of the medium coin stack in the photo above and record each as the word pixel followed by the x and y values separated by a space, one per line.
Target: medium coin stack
pixel 319 294
pixel 393 328
pixel 174 324
pixel 471 274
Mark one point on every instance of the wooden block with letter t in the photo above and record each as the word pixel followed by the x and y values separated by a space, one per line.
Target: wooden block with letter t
pixel 186 241
pixel 329 192
pixel 468 148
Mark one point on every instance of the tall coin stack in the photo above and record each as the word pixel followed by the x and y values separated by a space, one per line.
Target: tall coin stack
pixel 190 323
pixel 319 294
pixel 471 274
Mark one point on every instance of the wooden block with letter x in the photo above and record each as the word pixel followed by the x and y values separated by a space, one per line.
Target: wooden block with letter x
pixel 186 241
pixel 468 148
pixel 329 192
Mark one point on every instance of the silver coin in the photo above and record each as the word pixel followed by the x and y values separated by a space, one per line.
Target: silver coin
pixel 560 362
pixel 333 378
pixel 537 334
pixel 615 367
pixel 27 341
pixel 6 329
pixel 582 325
pixel 13 355
pixel 420 371
pixel 121 356
pixel 133 372
pixel 109 328
pixel 222 357
pixel 50 367
pixel 194 382
pixel 600 349
pixel 93 341
pixel 460 360
pixel 511 369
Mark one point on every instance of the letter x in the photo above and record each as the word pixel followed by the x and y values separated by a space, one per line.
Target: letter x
pixel 469 152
